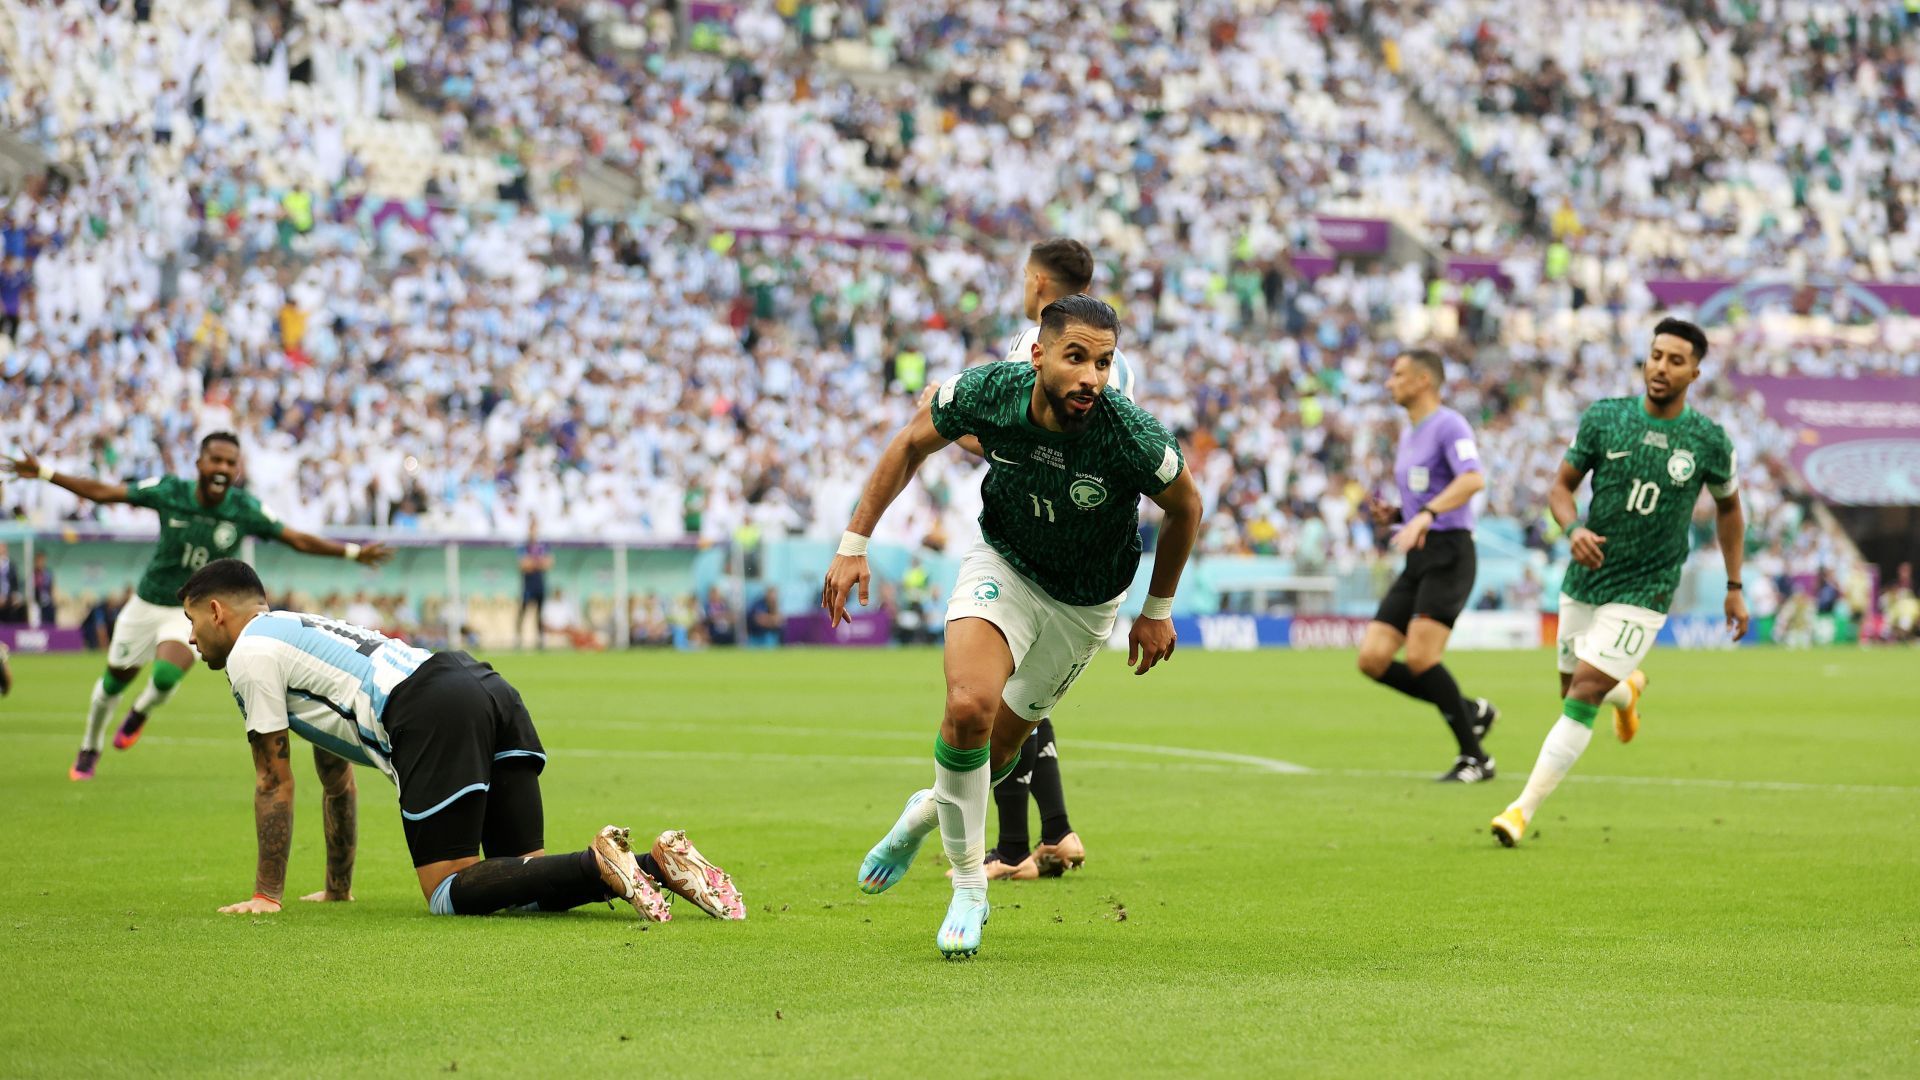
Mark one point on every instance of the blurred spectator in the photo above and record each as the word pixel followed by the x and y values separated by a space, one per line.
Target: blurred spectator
pixel 43 594
pixel 718 619
pixel 764 620
pixel 647 621
pixel 97 627
pixel 1901 606
pixel 13 600
pixel 535 561
pixel 362 612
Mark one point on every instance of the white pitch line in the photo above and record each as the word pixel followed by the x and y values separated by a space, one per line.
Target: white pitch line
pixel 1209 761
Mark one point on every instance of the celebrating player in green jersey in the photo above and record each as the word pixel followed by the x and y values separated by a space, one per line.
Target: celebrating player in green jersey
pixel 1649 458
pixel 199 521
pixel 1037 597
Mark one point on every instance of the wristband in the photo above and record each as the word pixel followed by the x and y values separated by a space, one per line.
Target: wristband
pixel 1735 586
pixel 268 899
pixel 46 471
pixel 853 545
pixel 1157 607
pixel 352 554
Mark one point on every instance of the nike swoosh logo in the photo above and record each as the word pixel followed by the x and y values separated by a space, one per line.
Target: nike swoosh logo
pixel 1611 454
pixel 995 455
pixel 1038 706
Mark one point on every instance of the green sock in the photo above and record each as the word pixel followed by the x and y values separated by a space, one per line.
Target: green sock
pixel 111 685
pixel 1579 712
pixel 1006 770
pixel 959 760
pixel 166 677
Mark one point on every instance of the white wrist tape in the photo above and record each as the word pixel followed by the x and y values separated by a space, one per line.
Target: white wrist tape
pixel 853 545
pixel 1157 607
pixel 352 554
pixel 46 471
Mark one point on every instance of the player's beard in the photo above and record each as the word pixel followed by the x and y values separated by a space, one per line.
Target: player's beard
pixel 1063 412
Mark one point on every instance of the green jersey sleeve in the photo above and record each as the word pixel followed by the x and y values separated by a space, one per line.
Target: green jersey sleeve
pixel 1584 451
pixel 153 492
pixel 958 409
pixel 1152 454
pixel 256 520
pixel 1721 470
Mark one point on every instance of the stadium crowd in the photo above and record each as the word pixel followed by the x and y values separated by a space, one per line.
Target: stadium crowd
pixel 740 361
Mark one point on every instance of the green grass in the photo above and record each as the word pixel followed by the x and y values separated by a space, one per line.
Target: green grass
pixel 1354 921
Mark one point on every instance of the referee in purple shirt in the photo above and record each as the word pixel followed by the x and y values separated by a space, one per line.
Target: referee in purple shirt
pixel 1437 471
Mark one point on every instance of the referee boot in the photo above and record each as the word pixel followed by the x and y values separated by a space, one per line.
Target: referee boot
pixel 1468 770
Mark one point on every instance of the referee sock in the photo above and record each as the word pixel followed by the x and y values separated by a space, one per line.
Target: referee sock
pixel 548 882
pixel 1047 792
pixel 1564 745
pixel 1010 802
pixel 1436 685
pixel 1399 676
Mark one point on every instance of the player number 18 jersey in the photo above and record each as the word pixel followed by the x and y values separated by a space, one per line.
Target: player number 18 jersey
pixel 191 534
pixel 1647 476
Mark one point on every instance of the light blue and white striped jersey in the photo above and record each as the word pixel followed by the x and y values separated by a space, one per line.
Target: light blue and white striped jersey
pixel 1119 378
pixel 327 680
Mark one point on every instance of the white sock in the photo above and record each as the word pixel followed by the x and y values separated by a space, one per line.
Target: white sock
pixel 1564 745
pixel 961 800
pixel 152 697
pixel 1620 696
pixel 98 713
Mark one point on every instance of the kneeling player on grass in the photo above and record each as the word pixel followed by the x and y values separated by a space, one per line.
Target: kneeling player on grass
pixel 448 731
pixel 1649 458
pixel 1036 599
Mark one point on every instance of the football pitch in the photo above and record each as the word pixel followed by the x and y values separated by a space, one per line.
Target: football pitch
pixel 1273 885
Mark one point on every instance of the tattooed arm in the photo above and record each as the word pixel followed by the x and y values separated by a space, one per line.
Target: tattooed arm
pixel 339 811
pixel 272 820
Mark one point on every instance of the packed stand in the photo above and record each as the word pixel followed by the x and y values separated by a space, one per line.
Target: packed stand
pixel 658 381
pixel 1710 138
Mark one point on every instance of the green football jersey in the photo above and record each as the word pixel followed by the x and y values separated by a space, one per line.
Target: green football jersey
pixel 192 534
pixel 1063 508
pixel 1647 476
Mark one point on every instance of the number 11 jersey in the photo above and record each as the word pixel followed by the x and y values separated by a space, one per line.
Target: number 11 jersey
pixel 1062 507
pixel 1647 475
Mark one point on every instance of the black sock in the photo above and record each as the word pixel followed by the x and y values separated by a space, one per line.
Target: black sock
pixel 1401 677
pixel 649 867
pixel 553 882
pixel 1047 794
pixel 1436 685
pixel 1010 800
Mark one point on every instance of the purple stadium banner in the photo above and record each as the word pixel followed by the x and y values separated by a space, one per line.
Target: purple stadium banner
pixel 22 639
pixel 1313 266
pixel 1466 268
pixel 1693 292
pixel 1857 441
pixel 865 628
pixel 1354 236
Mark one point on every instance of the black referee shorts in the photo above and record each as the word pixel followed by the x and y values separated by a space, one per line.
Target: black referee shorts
pixel 468 761
pixel 1436 584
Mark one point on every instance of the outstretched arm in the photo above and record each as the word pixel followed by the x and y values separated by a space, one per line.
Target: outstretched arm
pixel 339 812
pixel 272 822
pixel 28 467
pixel 910 448
pixel 309 544
pixel 1152 638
